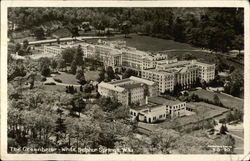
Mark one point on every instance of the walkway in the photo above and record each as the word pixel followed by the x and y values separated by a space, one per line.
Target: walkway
pixel 51 80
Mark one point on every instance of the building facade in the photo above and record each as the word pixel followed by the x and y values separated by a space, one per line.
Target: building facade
pixel 158 109
pixel 169 73
pixel 52 50
pixel 128 91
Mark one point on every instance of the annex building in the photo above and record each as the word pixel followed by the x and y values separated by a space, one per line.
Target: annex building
pixel 159 109
pixel 129 91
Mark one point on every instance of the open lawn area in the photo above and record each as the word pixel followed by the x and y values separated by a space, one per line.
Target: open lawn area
pixel 148 43
pixel 226 100
pixel 92 75
pixel 67 78
pixel 61 33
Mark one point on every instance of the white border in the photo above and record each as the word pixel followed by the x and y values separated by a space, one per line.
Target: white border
pixel 188 3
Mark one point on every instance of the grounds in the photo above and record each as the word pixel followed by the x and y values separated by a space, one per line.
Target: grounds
pixel 226 100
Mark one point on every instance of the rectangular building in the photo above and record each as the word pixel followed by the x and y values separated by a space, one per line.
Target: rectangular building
pixel 128 91
pixel 169 73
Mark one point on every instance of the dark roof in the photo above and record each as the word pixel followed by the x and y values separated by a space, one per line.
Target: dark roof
pixel 131 86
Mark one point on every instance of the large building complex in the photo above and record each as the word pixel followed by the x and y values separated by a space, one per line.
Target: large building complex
pixel 129 91
pixel 168 73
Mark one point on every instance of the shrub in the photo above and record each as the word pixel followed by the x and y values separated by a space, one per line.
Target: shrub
pixel 43 79
pixel 58 80
pixel 50 83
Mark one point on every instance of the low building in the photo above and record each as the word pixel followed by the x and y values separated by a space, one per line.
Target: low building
pixel 149 113
pixel 159 109
pixel 128 91
pixel 52 50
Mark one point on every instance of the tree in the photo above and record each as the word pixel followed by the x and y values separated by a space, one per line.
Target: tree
pixel 110 73
pixel 54 64
pixel 44 64
pixel 216 99
pixel 223 129
pixel 73 67
pixel 79 56
pixel 80 76
pixel 60 128
pixel 126 25
pixel 17 47
pixel 78 104
pixel 101 76
pixel 39 33
pixel 238 42
pixel 231 68
pixel 68 55
pixel 61 64
pixel 128 73
pixel 25 44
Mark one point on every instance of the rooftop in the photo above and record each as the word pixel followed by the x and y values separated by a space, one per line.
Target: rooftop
pixel 137 79
pixel 111 86
pixel 161 100
pixel 150 105
pixel 131 86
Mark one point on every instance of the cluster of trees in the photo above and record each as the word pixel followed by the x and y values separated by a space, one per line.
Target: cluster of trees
pixel 107 75
pixel 72 57
pixel 195 98
pixel 217 29
pixel 108 103
pixel 23 49
pixel 235 115
pixel 71 89
pixel 234 85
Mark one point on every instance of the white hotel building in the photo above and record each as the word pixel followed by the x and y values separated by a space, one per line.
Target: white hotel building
pixel 168 73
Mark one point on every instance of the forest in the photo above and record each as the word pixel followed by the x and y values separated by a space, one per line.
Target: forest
pixel 216 29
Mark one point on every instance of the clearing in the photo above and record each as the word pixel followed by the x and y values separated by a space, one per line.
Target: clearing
pixel 226 100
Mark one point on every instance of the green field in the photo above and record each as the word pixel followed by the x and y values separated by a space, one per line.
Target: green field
pixel 225 100
pixel 92 75
pixel 148 43
pixel 67 78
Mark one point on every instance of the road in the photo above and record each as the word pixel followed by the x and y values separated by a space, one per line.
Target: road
pixel 79 38
pixel 199 50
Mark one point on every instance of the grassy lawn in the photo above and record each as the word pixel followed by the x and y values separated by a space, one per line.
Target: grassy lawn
pixel 62 33
pixel 67 78
pixel 148 43
pixel 92 75
pixel 226 100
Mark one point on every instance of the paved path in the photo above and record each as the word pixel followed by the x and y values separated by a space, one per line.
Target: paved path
pixel 79 38
pixel 198 50
pixel 51 80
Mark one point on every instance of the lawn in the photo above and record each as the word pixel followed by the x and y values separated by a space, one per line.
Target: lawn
pixel 148 43
pixel 92 75
pixel 225 100
pixel 62 33
pixel 67 78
